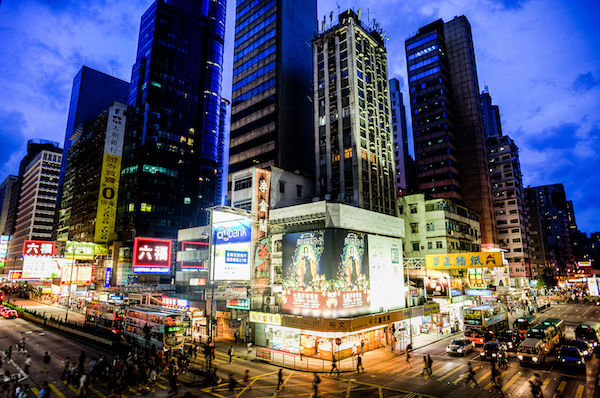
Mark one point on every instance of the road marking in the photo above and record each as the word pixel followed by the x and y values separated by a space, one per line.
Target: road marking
pixel 511 381
pixel 380 392
pixel 72 388
pixel 561 388
pixel 485 376
pixel 56 391
pixel 465 375
pixel 160 385
pixel 450 373
pixel 349 389
pixel 283 385
pixel 545 383
pixel 579 392
pixel 489 385
pixel 97 392
pixel 35 391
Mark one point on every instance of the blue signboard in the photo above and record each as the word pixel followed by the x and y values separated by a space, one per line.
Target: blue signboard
pixel 107 277
pixel 236 257
pixel 233 232
pixel 479 292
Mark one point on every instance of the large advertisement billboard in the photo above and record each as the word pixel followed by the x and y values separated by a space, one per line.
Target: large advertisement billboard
pixel 42 267
pixel 232 245
pixel 386 273
pixel 76 275
pixel 152 256
pixel 326 273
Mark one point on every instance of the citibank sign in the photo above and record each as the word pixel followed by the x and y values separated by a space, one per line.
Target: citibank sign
pixel 233 232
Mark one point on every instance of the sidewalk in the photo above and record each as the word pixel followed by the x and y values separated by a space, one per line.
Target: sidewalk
pixel 56 311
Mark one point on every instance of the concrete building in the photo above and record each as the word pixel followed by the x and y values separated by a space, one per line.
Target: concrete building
pixel 38 189
pixel 7 190
pixel 271 114
pixel 401 156
pixel 353 137
pixel 437 226
pixel 447 125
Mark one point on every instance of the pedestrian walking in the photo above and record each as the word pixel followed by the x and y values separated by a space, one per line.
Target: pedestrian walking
pixel 471 375
pixel 247 379
pixel 429 364
pixel 21 344
pixel 249 345
pixel 44 391
pixel 315 383
pixel 65 370
pixel 334 366
pixel 236 336
pixel 8 353
pixel 359 365
pixel 46 361
pixel 408 355
pixel 230 353
pixel 28 362
pixel 232 382
pixel 279 378
pixel 83 380
pixel 425 365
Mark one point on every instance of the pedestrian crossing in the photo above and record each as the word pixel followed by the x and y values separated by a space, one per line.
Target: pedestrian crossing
pixel 61 389
pixel 513 379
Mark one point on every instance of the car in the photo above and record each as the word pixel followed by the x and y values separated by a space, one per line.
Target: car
pixel 493 350
pixel 587 333
pixel 570 356
pixel 584 347
pixel 511 338
pixel 459 346
pixel 531 352
pixel 3 310
pixel 10 314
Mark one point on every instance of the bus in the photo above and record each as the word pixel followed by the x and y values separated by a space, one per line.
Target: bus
pixel 523 324
pixel 104 315
pixel 484 321
pixel 158 327
pixel 547 333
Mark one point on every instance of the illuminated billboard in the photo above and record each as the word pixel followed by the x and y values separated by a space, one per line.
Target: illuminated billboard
pixel 232 244
pixel 386 273
pixel 38 248
pixel 584 264
pixel 463 260
pixel 325 273
pixel 193 263
pixel 151 256
pixel 76 275
pixel 260 210
pixel 42 267
pixel 3 249
pixel 84 250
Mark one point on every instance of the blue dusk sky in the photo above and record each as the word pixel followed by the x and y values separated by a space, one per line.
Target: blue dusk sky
pixel 539 58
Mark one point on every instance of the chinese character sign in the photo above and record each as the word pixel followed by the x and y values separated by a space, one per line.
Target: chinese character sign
pixel 464 260
pixel 260 209
pixel 151 256
pixel 38 248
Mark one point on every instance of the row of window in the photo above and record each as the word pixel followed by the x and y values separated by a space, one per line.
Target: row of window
pixel 255 91
pixel 427 61
pixel 422 41
pixel 254 75
pixel 257 43
pixel 254 60
pixel 258 28
pixel 247 8
pixel 254 16
pixel 426 73
pixel 423 52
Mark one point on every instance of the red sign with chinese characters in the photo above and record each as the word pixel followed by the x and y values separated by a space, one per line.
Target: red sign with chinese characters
pixel 260 209
pixel 38 248
pixel 152 256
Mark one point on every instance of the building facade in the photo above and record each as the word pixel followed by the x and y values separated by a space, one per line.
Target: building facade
pixel 351 100
pixel 447 126
pixel 221 189
pixel 401 156
pixel 7 190
pixel 37 202
pixel 171 152
pixel 539 258
pixel 271 114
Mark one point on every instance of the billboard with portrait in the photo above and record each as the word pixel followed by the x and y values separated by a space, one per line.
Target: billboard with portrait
pixel 232 244
pixel 326 273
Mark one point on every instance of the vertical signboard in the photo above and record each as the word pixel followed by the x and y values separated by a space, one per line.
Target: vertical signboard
pixel 3 249
pixel 260 209
pixel 386 273
pixel 111 171
pixel 232 243
pixel 107 277
pixel 151 256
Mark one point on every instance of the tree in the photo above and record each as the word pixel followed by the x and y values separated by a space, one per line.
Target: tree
pixel 547 279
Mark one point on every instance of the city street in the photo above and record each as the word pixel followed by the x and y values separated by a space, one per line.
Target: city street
pixel 384 376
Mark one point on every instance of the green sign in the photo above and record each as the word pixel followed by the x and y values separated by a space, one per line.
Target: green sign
pixel 84 250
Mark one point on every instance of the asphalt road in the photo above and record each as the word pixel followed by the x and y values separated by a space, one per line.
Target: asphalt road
pixel 388 377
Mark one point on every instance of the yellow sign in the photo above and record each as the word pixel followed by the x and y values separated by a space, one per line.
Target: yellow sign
pixel 463 260
pixel 431 309
pixel 263 317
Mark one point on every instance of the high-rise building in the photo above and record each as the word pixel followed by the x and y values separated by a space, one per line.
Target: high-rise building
pixel 92 92
pixel 401 156
pixel 446 115
pixel 90 186
pixel 221 190
pixel 7 189
pixel 538 257
pixel 490 115
pixel 171 152
pixel 353 137
pixel 38 189
pixel 271 113
pixel 554 217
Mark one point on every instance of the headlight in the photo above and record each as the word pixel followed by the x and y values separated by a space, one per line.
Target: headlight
pixel 520 357
pixel 563 360
pixel 578 362
pixel 510 345
pixel 482 354
pixel 459 350
pixel 586 352
pixel 494 355
pixel 535 359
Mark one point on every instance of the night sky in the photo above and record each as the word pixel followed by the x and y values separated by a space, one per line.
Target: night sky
pixel 539 58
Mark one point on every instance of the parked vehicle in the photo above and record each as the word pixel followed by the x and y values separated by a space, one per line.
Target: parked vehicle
pixel 571 356
pixel 586 349
pixel 511 338
pixel 494 350
pixel 531 351
pixel 459 347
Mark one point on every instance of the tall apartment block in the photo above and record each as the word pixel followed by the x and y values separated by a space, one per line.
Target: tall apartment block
pixel 7 190
pixel 353 137
pixel 509 198
pixel 446 115
pixel 401 156
pixel 171 164
pixel 37 199
pixel 539 258
pixel 555 221
pixel 271 113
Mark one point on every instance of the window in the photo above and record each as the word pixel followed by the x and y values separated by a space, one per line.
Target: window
pixel 423 52
pixel 438 244
pixel 413 209
pixel 299 191
pixel 347 153
pixel 414 228
pixel 430 245
pixel 422 41
pixel 430 226
pixel 415 246
pixel 423 63
pixel 187 201
pixel 423 74
pixel 242 184
pixel 145 207
pixel 282 186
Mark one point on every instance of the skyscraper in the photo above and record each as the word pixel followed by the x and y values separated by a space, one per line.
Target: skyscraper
pixel 271 115
pixel 221 189
pixel 446 114
pixel 38 189
pixel 401 156
pixel 351 100
pixel 7 190
pixel 171 151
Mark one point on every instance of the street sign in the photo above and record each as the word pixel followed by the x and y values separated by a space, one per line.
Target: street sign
pixel 338 341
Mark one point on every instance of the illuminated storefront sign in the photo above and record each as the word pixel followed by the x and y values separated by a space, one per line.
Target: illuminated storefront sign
pixel 84 250
pixel 3 249
pixel 197 281
pixel 260 209
pixel 263 317
pixel 43 267
pixel 151 256
pixel 240 304
pixel 463 260
pixel 175 302
pixel 110 174
pixel 475 278
pixel 480 292
pixel 584 264
pixel 232 244
pixel 107 277
pixel 15 275
pixel 76 275
pixel 196 264
pixel 38 248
